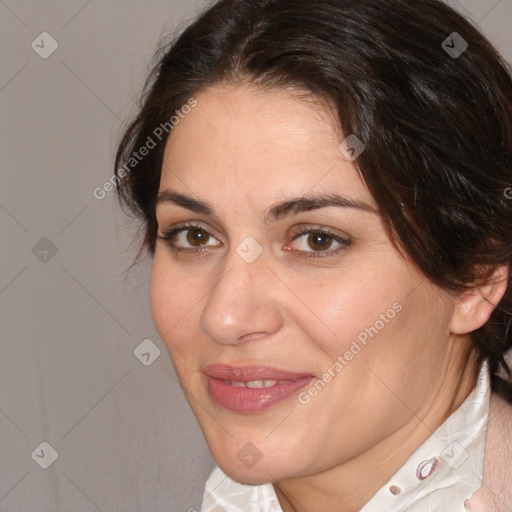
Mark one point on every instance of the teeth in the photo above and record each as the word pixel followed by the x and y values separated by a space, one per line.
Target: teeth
pixel 261 383
pixel 254 384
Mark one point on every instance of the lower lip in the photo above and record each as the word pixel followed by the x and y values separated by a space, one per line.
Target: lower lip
pixel 253 400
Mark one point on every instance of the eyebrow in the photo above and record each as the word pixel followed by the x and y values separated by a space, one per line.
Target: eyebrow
pixel 275 212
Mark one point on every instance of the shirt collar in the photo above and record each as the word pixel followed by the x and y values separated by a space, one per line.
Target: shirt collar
pixel 447 468
pixel 440 475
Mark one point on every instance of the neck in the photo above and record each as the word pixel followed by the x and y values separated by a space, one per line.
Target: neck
pixel 354 482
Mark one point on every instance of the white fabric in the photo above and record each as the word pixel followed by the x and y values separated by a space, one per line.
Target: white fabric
pixel 439 476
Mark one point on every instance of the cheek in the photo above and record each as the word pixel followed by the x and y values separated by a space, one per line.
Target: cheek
pixel 171 302
pixel 344 309
pixel 158 299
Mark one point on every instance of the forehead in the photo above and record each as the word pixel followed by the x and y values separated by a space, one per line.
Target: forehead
pixel 252 142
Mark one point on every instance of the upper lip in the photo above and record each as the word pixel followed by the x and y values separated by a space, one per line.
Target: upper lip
pixel 248 373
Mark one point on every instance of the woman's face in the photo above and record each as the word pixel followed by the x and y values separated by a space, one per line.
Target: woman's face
pixel 285 277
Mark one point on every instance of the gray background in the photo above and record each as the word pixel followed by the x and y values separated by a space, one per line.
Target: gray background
pixel 70 321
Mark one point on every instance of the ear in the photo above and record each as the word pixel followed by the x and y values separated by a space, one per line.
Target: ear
pixel 472 308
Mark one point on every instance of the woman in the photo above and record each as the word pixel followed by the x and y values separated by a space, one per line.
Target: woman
pixel 322 187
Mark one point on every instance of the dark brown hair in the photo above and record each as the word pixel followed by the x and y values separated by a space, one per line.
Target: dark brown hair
pixel 435 117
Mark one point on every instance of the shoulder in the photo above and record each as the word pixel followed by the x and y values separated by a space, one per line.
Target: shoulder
pixel 495 494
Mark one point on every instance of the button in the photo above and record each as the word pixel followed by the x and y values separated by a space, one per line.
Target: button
pixel 395 490
pixel 426 468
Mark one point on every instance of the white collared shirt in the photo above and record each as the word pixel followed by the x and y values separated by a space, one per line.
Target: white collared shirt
pixel 439 476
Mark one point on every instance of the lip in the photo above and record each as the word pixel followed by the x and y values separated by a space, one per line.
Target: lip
pixel 251 400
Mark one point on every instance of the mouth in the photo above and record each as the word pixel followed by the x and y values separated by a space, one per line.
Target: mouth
pixel 251 389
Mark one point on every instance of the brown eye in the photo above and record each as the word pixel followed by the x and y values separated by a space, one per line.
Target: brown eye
pixel 196 237
pixel 319 241
pixel 189 239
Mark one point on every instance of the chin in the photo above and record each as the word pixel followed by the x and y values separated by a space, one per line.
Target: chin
pixel 257 475
pixel 251 467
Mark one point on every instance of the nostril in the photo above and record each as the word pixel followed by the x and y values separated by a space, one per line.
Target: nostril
pixel 253 336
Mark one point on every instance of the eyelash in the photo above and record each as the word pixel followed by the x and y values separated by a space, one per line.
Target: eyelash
pixel 169 236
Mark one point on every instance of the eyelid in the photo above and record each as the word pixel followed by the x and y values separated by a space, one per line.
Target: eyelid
pixel 181 226
pixel 341 238
pixel 318 228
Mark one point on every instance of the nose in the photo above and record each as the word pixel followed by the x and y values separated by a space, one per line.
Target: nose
pixel 243 303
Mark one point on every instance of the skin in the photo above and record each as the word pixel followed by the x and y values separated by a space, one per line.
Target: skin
pixel 242 150
pixel 495 495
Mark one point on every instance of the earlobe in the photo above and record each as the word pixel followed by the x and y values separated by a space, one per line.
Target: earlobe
pixel 473 307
